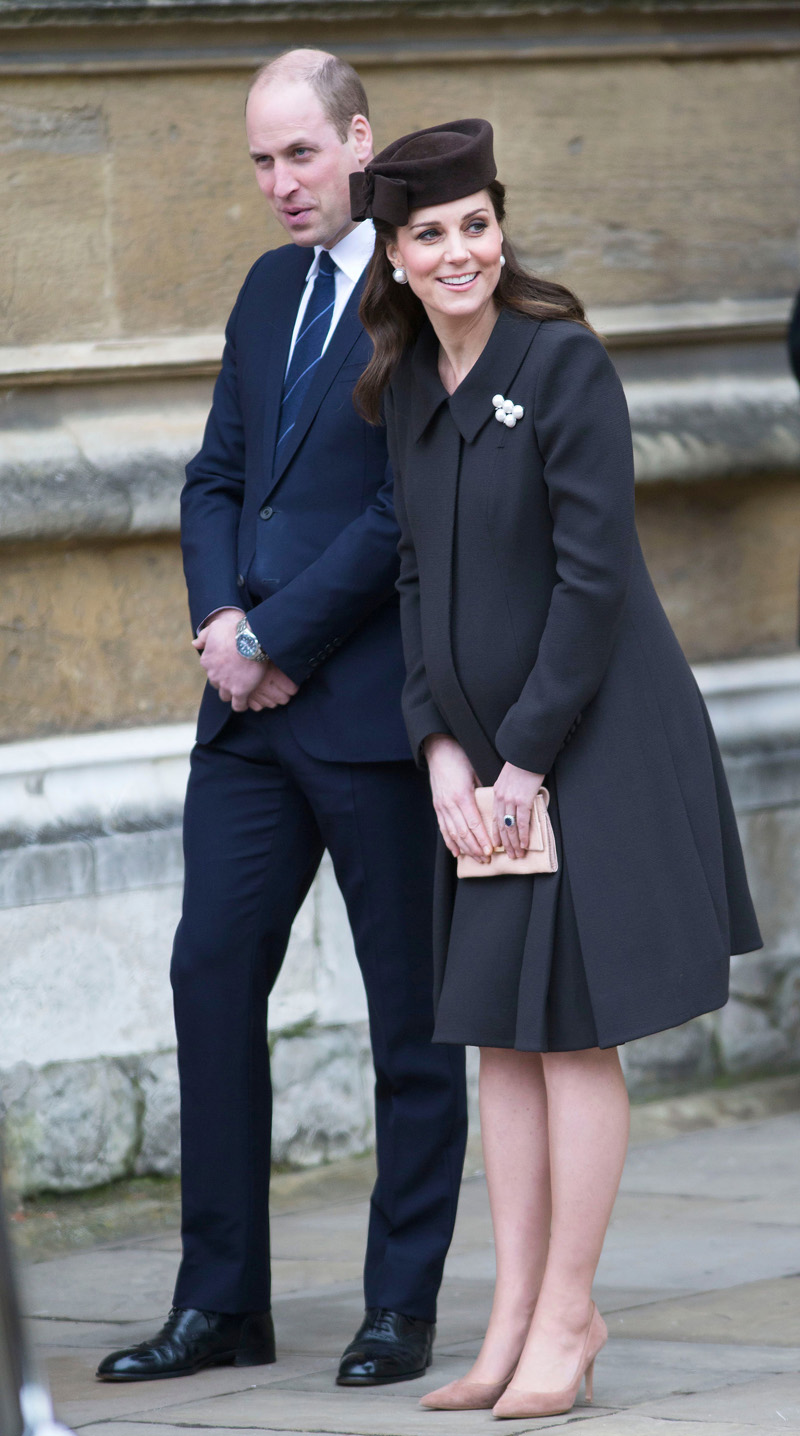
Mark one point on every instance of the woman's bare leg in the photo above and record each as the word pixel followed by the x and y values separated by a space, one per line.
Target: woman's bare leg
pixel 513 1104
pixel 588 1122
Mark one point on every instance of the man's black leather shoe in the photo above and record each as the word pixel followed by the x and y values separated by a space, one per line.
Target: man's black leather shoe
pixel 387 1347
pixel 189 1340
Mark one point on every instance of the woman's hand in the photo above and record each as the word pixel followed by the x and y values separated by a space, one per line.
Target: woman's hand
pixel 453 783
pixel 514 793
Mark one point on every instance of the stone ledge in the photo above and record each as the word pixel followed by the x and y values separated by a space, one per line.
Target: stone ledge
pixel 119 475
pixel 183 355
pixel 91 867
pixel 753 702
pixel 93 784
pixel 195 33
pixel 96 784
pixel 158 357
pixel 688 430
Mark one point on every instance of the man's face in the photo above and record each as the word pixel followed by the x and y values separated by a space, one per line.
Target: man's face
pixel 302 166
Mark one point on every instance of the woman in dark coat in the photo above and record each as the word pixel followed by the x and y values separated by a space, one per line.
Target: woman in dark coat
pixel 538 652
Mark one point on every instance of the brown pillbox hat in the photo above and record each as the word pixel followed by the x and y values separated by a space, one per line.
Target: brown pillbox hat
pixel 431 166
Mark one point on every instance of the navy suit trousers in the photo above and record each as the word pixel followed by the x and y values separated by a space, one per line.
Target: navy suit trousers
pixel 259 814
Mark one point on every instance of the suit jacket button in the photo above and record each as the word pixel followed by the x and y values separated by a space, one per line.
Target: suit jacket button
pixel 266 512
pixel 240 580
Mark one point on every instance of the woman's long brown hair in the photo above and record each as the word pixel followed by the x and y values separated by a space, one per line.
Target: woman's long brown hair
pixel 393 316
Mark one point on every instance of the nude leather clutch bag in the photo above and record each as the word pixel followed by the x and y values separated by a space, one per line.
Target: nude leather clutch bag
pixel 540 856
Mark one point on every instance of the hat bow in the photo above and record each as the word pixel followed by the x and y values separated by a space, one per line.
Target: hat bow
pixel 378 196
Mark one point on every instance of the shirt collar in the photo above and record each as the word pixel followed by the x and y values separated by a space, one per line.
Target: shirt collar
pixel 352 254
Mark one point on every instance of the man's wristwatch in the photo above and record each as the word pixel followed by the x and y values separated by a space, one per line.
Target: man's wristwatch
pixel 247 643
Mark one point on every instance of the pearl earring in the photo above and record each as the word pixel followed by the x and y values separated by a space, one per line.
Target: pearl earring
pixel 399 275
pixel 502 260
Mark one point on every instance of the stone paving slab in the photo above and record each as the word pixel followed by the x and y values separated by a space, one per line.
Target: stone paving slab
pixel 761 1311
pixel 138 1428
pixel 628 1424
pixel 344 1413
pixel 110 1284
pixel 694 1255
pixel 683 1206
pixel 770 1403
pixel 730 1162
pixel 132 1283
pixel 619 1381
pixel 601 1425
pixel 68 1334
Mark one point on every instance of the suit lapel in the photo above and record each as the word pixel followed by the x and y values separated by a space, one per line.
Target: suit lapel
pixel 344 336
pixel 281 328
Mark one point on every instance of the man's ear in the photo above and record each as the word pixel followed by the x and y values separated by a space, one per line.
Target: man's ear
pixel 360 137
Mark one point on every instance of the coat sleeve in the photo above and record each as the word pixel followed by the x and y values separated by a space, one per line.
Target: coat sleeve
pixel 583 432
pixel 421 715
pixel 212 497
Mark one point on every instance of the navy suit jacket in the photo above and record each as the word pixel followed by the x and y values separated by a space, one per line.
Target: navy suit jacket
pixel 307 545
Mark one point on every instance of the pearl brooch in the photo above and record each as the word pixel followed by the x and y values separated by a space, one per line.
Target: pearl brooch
pixel 506 411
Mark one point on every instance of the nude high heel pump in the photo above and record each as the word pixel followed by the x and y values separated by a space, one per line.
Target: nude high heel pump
pixel 558 1403
pixel 464 1395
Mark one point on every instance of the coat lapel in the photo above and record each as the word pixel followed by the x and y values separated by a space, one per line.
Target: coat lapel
pixel 493 373
pixel 344 336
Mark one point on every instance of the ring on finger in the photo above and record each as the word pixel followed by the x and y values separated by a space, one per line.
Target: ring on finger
pixel 509 820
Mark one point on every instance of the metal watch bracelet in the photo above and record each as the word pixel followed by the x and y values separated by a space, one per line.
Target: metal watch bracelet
pixel 247 643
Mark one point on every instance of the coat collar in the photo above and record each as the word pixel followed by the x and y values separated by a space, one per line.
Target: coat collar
pixel 492 373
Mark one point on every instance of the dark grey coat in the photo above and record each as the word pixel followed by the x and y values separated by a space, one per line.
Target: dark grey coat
pixel 549 648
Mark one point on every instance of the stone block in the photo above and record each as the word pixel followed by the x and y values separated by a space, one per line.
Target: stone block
pixel 323 1103
pixel 88 977
pixel 749 1041
pixel 44 872
pixel 124 862
pixel 159 1153
pixel 787 1010
pixel 69 1125
pixel 755 977
pixel 723 558
pixel 670 1061
pixel 771 841
pixel 116 597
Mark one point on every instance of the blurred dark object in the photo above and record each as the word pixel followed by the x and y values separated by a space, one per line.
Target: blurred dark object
pixel 25 1406
pixel 794 339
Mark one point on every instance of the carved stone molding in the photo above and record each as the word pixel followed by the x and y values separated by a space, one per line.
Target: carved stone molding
pixel 115 36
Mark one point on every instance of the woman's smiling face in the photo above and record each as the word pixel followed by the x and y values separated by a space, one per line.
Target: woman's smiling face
pixel 451 254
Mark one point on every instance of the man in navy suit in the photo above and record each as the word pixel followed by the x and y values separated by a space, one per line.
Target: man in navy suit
pixel 289 544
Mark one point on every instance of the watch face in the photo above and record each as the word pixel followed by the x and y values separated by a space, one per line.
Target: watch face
pixel 247 644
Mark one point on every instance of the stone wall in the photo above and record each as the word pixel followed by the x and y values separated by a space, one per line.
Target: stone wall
pixel 648 164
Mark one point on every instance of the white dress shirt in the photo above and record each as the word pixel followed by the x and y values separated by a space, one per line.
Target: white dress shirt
pixel 351 257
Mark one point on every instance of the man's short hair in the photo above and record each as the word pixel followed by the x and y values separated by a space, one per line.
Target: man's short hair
pixel 336 84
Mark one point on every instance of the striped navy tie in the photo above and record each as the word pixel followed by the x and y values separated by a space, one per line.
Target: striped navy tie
pixel 308 347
